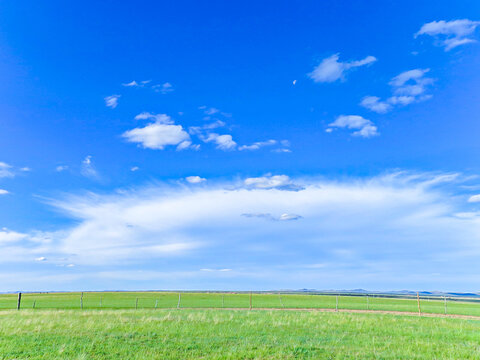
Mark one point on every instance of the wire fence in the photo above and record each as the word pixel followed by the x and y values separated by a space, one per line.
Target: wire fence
pixel 242 300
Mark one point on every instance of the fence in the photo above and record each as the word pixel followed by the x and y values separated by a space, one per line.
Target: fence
pixel 242 300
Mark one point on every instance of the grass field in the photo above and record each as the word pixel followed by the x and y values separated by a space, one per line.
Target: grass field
pixel 150 300
pixel 232 334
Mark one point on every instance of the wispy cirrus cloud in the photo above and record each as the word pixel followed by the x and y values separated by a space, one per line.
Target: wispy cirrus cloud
pixel 6 170
pixel 87 169
pixel 331 69
pixel 397 223
pixel 112 101
pixel 164 88
pixel 257 145
pixel 450 34
pixel 268 216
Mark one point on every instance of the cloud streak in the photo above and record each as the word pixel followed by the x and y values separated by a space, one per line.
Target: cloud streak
pixel 450 34
pixel 331 69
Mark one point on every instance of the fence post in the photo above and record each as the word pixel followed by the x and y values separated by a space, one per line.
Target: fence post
pixel 418 302
pixel 19 300
pixel 445 302
pixel 136 303
pixel 179 299
pixel 223 300
pixel 156 303
pixel 81 301
pixel 34 301
pixel 250 300
pixel 336 304
pixel 280 298
pixel 100 301
pixel 368 303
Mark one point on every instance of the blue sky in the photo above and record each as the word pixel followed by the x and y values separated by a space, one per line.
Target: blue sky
pixel 239 145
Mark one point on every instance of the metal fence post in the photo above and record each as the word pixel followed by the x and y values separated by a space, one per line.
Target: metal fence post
pixel 418 302
pixel 34 301
pixel 156 303
pixel 19 300
pixel 136 303
pixel 250 300
pixel 336 304
pixel 81 301
pixel 179 299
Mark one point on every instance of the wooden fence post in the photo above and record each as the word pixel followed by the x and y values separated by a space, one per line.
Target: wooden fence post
pixel 336 304
pixel 418 302
pixel 34 301
pixel 280 298
pixel 136 303
pixel 179 299
pixel 368 303
pixel 156 303
pixel 19 300
pixel 223 300
pixel 81 301
pixel 445 302
pixel 250 300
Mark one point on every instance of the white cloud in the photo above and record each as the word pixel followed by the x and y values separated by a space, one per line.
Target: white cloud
pixel 257 145
pixel 159 134
pixel 408 87
pixel 131 84
pixel 364 232
pixel 164 88
pixel 365 128
pixel 282 150
pixel 41 258
pixel 330 69
pixel 4 192
pixel 158 118
pixel 61 168
pixel 25 169
pixel 6 170
pixel 268 216
pixel 8 236
pixel 200 129
pixel 195 179
pixel 88 170
pixel 474 198
pixel 375 104
pixel 411 82
pixel 112 101
pixel 224 142
pixel 280 182
pixel 450 34
pixel 134 168
pixel 215 270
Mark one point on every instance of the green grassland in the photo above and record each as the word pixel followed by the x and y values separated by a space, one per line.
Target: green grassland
pixel 150 300
pixel 232 334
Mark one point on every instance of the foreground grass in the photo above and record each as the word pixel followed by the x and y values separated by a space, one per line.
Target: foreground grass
pixel 227 334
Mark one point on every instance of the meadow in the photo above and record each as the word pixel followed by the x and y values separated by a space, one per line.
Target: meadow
pixel 156 325
pixel 232 334
pixel 159 300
